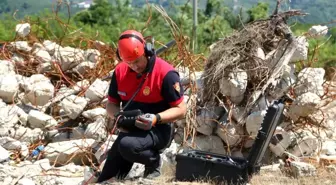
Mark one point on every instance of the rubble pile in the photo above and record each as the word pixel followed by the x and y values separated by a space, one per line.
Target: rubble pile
pixel 244 75
pixel 53 121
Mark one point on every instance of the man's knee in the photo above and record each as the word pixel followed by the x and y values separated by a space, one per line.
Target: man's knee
pixel 128 146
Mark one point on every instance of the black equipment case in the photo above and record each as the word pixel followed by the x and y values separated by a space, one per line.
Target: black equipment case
pixel 222 169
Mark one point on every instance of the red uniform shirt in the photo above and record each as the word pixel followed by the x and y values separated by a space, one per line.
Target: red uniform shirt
pixel 161 90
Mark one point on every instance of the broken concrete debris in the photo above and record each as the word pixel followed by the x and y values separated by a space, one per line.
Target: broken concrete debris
pixel 65 123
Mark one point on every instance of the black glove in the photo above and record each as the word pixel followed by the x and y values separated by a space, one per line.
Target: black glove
pixel 126 119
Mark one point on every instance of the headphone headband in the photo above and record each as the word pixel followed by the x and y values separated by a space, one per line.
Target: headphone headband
pixel 131 35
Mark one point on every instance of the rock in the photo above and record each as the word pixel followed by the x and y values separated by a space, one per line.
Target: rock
pixel 280 141
pixel 6 67
pixel 22 29
pixel 25 134
pixel 37 119
pixel 92 55
pixel 8 116
pixel 20 45
pixel 44 67
pixel 39 90
pixel 73 134
pixel 84 67
pixel 305 144
pixel 136 171
pixel 97 91
pixel 42 55
pixel 94 113
pixel 318 31
pixel 209 143
pixel 301 169
pixel 69 57
pixel 18 59
pixel 179 135
pixel 231 133
pixel 10 143
pixel 101 151
pixel 25 181
pixel 287 81
pixel 238 114
pixel 234 86
pixel 96 130
pixel 301 52
pixel 51 46
pixel 73 105
pixel 9 87
pixel 84 84
pixel 304 105
pixel 4 154
pixel 329 148
pixel 65 152
pixel 260 54
pixel 205 121
pixel 310 80
pixel 254 121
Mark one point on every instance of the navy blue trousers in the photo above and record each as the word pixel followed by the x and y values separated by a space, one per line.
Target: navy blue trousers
pixel 135 147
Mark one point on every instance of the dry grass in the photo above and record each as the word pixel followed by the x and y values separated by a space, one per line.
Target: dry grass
pixel 264 178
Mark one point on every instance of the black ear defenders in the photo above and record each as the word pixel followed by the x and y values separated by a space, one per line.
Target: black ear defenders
pixel 148 46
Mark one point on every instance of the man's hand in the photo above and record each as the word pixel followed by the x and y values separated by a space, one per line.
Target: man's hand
pixel 146 121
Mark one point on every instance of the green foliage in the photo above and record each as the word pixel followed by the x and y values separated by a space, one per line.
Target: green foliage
pixel 260 11
pixel 108 18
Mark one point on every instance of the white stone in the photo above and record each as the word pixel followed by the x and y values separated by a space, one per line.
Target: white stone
pixel 39 90
pixel 97 91
pixel 238 114
pixel 96 130
pixel 4 154
pixel 9 87
pixel 22 29
pixel 287 81
pixel 310 80
pixel 37 119
pixel 304 105
pixel 237 153
pixel 84 67
pixel 6 67
pixel 51 46
pixel 42 55
pixel 10 143
pixel 301 169
pixel 318 31
pixel 81 85
pixel 209 143
pixel 25 181
pixel 25 134
pixel 301 52
pixel 329 148
pixel 20 45
pixel 93 114
pixel 231 133
pixel 8 116
pixel 69 57
pixel 73 105
pixel 254 121
pixel 102 150
pixel 282 142
pixel 18 59
pixel 305 146
pixel 44 67
pixel 260 54
pixel 205 121
pixel 92 55
pixel 68 151
pixel 234 86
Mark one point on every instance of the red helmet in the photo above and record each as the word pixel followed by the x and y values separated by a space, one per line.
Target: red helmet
pixel 131 45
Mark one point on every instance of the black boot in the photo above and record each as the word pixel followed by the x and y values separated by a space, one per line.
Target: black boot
pixel 153 171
